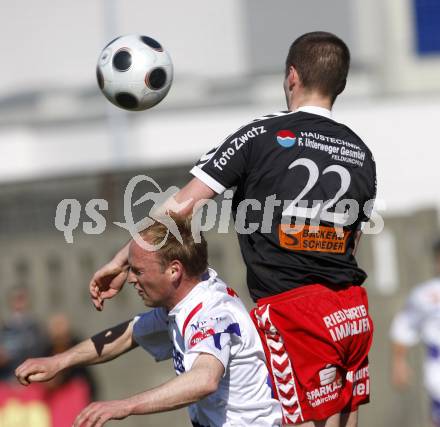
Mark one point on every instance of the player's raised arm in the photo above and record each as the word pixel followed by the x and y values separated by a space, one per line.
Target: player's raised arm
pixel 192 386
pixel 110 278
pixel 102 347
pixel 213 173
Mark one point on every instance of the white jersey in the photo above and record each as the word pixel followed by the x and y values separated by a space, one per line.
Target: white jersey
pixel 212 319
pixel 420 321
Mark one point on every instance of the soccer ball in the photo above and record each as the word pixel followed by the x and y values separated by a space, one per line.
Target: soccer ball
pixel 134 72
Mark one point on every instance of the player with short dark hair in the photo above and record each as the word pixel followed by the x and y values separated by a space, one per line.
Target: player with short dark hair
pixel 304 185
pixel 322 61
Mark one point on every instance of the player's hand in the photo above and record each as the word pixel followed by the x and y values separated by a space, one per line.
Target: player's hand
pixel 107 282
pixel 98 413
pixel 401 374
pixel 38 370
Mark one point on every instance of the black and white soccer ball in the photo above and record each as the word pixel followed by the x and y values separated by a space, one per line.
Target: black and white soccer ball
pixel 134 72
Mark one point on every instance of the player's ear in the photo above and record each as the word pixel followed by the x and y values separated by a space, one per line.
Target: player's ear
pixel 296 79
pixel 341 86
pixel 175 270
pixel 292 77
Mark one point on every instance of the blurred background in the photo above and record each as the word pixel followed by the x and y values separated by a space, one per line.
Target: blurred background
pixel 59 138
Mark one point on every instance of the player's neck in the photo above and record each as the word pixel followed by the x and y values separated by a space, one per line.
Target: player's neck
pixel 309 99
pixel 185 286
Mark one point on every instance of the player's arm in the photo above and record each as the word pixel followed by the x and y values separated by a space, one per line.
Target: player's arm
pixel 401 372
pixel 212 175
pixel 102 347
pixel 110 278
pixel 404 334
pixel 357 239
pixel 192 386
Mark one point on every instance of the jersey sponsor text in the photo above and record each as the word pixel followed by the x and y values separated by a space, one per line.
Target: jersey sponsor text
pixel 313 238
pixel 236 145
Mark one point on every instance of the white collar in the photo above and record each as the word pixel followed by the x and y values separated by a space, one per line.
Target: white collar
pixel 207 278
pixel 312 109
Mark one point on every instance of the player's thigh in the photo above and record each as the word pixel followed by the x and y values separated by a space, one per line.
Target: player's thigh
pixel 349 419
pixel 357 355
pixel 316 343
pixel 333 421
pixel 307 366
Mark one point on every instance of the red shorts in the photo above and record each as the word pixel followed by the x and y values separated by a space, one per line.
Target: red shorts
pixel 316 341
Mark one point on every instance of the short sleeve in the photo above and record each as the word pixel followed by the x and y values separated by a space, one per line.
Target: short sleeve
pixel 224 166
pixel 150 331
pixel 406 325
pixel 215 333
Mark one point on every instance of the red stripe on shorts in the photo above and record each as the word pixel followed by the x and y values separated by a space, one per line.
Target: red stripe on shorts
pixel 282 372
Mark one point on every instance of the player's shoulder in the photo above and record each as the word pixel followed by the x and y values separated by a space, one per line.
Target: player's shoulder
pixel 222 297
pixel 158 314
pixel 424 294
pixel 273 117
pixel 301 119
pixel 218 310
pixel 427 288
pixel 155 320
pixel 357 138
pixel 259 125
pixel 213 295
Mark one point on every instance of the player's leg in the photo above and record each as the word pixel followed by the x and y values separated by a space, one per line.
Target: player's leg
pixel 349 419
pixel 333 421
pixel 357 361
pixel 310 377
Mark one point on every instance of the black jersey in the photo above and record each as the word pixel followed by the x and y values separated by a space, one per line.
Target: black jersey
pixel 305 183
